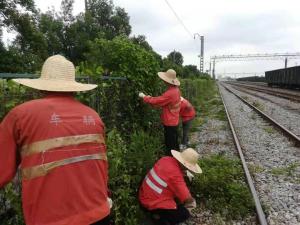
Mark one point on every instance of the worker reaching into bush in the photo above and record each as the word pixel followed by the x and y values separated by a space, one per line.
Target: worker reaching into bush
pixel 164 183
pixel 59 145
pixel 170 103
pixel 187 114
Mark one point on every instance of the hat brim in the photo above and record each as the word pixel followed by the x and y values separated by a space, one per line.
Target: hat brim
pixel 162 75
pixel 55 85
pixel 194 168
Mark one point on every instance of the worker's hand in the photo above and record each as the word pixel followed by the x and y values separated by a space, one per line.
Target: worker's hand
pixel 191 205
pixel 110 202
pixel 141 95
pixel 189 175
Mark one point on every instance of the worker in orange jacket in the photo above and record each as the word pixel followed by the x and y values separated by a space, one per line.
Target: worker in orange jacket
pixel 187 114
pixel 164 183
pixel 58 144
pixel 170 103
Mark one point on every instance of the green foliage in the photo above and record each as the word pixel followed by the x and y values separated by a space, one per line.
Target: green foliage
pixel 129 164
pixel 221 186
pixel 124 58
pixel 12 94
pixel 190 71
pixel 201 93
pixel 11 208
pixel 168 64
pixel 175 57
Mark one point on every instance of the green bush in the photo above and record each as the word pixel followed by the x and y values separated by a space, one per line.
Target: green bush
pixel 11 208
pixel 222 187
pixel 128 164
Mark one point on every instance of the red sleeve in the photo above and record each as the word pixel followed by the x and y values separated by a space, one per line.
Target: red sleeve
pixel 162 100
pixel 8 149
pixel 179 188
pixel 182 106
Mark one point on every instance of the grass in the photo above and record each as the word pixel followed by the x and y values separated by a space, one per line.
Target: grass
pixel 253 168
pixel 258 105
pixel 269 130
pixel 221 186
pixel 288 170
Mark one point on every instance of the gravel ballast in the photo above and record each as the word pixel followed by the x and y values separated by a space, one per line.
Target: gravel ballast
pixel 272 158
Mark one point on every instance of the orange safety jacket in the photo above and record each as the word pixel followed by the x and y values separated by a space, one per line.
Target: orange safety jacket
pixel 170 103
pixel 187 111
pixel 60 148
pixel 163 183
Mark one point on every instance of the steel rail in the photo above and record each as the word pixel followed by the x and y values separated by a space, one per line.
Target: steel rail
pixel 289 96
pixel 260 213
pixel 281 127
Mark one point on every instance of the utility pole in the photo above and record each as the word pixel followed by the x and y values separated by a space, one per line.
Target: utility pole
pixel 86 5
pixel 285 62
pixel 174 56
pixel 201 55
pixel 213 72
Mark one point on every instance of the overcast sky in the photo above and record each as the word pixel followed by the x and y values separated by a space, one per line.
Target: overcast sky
pixel 228 26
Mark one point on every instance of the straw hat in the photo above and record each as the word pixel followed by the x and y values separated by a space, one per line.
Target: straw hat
pixel 189 158
pixel 58 74
pixel 169 77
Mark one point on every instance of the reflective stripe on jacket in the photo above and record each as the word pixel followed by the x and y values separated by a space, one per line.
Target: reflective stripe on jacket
pixel 163 183
pixel 170 103
pixel 187 111
pixel 59 144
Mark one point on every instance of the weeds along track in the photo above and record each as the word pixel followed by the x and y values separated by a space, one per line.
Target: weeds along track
pixel 272 160
pixel 285 112
pixel 282 93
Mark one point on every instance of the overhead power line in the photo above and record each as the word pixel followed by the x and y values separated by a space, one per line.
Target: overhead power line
pixel 178 18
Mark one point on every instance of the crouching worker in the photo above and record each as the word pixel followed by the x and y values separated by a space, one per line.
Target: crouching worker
pixel 58 143
pixel 164 183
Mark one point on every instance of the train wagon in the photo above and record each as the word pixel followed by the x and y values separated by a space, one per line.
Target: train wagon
pixel 288 77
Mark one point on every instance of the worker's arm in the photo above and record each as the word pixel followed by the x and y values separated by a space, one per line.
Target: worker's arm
pixel 9 159
pixel 180 189
pixel 162 100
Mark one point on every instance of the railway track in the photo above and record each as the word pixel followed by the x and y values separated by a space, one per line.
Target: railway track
pixel 285 130
pixel 286 94
pixel 260 213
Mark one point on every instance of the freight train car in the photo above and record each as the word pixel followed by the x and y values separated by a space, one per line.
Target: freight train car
pixel 252 79
pixel 289 77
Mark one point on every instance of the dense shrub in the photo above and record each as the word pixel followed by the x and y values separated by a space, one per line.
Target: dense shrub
pixel 128 164
pixel 123 58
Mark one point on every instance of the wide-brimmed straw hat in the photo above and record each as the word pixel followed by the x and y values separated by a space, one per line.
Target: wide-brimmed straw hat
pixel 169 77
pixel 189 158
pixel 58 74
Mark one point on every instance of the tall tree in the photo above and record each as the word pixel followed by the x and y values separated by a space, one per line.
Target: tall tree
pixel 190 70
pixel 110 20
pixel 175 57
pixel 66 11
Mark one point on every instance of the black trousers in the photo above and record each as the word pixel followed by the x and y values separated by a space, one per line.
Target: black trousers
pixel 185 131
pixel 171 138
pixel 170 216
pixel 104 221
